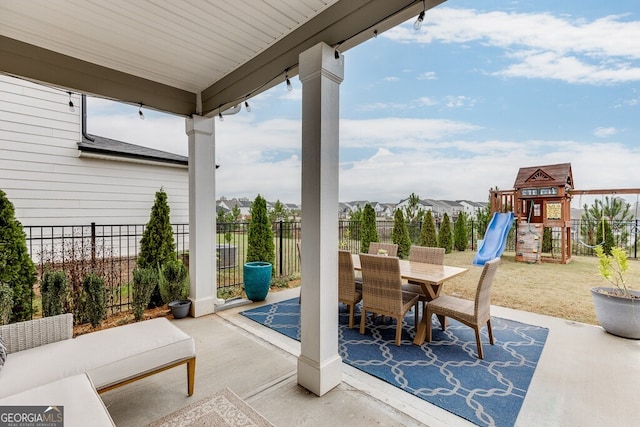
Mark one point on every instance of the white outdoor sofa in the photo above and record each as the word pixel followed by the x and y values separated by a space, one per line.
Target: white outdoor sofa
pixel 45 366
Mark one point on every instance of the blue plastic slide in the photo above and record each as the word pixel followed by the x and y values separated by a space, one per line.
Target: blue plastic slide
pixel 495 238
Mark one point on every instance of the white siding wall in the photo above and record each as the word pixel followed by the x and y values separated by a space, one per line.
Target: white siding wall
pixel 48 182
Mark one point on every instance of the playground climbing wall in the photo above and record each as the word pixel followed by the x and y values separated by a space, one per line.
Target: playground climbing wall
pixel 529 242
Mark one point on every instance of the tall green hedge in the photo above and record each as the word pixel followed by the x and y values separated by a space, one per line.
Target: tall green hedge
pixel 157 245
pixel 369 229
pixel 400 234
pixel 460 238
pixel 445 235
pixel 428 236
pixel 17 270
pixel 260 246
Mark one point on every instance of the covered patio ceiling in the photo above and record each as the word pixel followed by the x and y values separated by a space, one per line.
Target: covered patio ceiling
pixel 197 58
pixel 183 57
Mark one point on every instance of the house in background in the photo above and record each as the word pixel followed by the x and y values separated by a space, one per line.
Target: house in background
pixel 56 174
pixel 471 208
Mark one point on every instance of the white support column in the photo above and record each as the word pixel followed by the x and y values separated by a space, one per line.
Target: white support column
pixel 202 215
pixel 319 364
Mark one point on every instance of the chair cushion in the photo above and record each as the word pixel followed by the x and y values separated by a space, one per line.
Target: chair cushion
pixel 451 306
pixel 81 403
pixel 415 289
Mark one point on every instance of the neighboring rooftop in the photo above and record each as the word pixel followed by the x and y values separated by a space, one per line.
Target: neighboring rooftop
pixel 112 147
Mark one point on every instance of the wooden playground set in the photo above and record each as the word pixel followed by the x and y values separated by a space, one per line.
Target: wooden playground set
pixel 541 198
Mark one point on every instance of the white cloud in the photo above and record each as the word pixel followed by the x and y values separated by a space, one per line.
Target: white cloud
pixel 459 101
pixel 541 45
pixel 429 75
pixel 398 132
pixel 432 173
pixel 603 132
pixel 160 131
pixel 391 79
pixel 425 156
pixel 451 101
pixel 425 101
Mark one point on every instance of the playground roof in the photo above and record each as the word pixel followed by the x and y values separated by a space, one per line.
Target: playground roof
pixel 544 176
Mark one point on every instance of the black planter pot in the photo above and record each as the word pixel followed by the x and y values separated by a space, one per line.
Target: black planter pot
pixel 180 308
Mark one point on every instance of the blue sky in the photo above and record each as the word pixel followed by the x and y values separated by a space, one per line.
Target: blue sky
pixel 447 112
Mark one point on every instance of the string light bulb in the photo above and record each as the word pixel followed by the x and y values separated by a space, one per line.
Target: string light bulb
pixel 140 113
pixel 289 85
pixel 220 116
pixel 247 106
pixel 71 106
pixel 418 24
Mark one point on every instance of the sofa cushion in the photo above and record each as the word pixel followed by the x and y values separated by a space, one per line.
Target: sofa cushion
pixel 3 352
pixel 81 403
pixel 108 356
pixel 145 347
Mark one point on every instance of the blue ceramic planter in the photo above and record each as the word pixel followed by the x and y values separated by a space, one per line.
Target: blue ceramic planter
pixel 257 280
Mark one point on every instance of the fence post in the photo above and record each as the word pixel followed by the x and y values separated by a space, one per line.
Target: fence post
pixel 635 240
pixel 93 244
pixel 281 241
pixel 472 235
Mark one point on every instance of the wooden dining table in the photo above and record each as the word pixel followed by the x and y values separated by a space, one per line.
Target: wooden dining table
pixel 431 278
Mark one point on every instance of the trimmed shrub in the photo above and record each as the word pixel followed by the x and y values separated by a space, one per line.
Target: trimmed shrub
pixel 145 281
pixel 428 236
pixel 53 289
pixel 445 235
pixel 369 229
pixel 260 246
pixel 94 291
pixel 400 234
pixel 17 270
pixel 607 239
pixel 460 237
pixel 157 245
pixel 173 281
pixel 6 303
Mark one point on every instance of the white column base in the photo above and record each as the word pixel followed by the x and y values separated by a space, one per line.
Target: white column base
pixel 204 306
pixel 319 379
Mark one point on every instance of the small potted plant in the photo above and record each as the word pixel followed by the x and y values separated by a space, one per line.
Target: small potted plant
pixel 173 282
pixel 617 307
pixel 383 252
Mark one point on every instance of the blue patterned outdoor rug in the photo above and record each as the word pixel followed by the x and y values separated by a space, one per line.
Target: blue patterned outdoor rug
pixel 444 372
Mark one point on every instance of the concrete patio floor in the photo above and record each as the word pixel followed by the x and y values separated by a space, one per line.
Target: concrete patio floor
pixel 585 377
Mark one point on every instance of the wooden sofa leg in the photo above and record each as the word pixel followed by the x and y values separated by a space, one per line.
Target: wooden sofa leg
pixel 191 375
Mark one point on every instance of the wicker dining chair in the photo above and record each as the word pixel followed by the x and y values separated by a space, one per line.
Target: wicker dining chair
pixel 391 248
pixel 348 293
pixel 429 255
pixel 382 290
pixel 474 314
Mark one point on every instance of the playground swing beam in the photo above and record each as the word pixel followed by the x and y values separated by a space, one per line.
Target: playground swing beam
pixel 603 192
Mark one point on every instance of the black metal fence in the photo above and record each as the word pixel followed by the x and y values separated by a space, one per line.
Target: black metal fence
pixel 111 250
